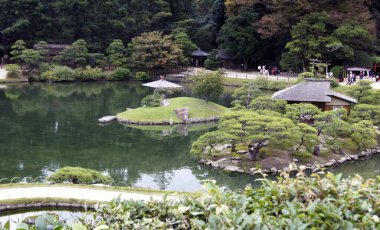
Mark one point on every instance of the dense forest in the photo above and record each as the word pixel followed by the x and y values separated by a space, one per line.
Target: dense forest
pixel 271 32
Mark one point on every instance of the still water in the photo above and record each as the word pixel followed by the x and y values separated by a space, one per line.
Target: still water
pixel 44 127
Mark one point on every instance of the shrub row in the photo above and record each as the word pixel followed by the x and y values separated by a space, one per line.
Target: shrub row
pixel 64 73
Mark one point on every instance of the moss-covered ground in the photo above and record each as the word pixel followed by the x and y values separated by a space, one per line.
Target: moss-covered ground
pixel 197 109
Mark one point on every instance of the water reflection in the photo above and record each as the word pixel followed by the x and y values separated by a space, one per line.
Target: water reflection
pixel 48 126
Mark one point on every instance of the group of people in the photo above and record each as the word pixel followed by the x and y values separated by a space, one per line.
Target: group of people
pixel 352 77
pixel 270 71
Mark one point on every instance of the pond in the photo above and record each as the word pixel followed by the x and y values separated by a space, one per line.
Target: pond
pixel 48 126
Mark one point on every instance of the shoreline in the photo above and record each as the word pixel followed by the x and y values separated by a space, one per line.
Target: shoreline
pixel 294 166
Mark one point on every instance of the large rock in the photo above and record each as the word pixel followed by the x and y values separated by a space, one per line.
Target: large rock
pixel 182 114
pixel 232 168
pixel 106 119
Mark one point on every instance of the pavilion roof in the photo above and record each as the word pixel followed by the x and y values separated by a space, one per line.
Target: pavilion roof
pixel 311 90
pixel 199 53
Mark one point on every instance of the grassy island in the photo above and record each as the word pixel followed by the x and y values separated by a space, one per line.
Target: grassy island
pixel 197 109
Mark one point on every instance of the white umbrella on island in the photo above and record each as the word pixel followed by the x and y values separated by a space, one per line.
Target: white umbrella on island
pixel 162 83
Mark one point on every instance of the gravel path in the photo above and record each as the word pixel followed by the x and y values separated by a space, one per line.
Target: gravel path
pixel 71 193
pixel 376 85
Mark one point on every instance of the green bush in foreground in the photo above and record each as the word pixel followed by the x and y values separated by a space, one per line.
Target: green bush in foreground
pixel 79 175
pixel 315 202
pixel 59 73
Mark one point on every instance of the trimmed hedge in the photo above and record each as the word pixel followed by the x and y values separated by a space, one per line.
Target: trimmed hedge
pixel 79 175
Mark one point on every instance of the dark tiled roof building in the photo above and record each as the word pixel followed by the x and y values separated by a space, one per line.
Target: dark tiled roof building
pixel 316 92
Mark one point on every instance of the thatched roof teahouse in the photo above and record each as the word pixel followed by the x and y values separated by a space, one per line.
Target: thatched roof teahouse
pixel 316 92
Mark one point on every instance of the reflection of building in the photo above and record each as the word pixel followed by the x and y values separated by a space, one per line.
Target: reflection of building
pixel 316 92
pixel 228 61
pixel 198 57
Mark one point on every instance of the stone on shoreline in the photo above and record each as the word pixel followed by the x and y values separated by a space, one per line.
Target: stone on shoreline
pixel 107 119
pixel 232 168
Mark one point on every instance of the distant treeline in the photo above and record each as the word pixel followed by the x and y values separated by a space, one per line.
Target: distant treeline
pixel 282 33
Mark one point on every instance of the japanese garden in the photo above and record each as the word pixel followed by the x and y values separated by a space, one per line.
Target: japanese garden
pixel 192 114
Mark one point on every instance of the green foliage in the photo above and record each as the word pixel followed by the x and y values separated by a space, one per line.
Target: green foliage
pixel 169 92
pixel 302 155
pixel 154 50
pixel 12 69
pixel 304 75
pixel 203 147
pixel 59 73
pixel 89 74
pixel 79 175
pixel 119 74
pixel 362 58
pixel 16 52
pixel 364 135
pixel 30 58
pixel 244 95
pixel 153 100
pixel 308 138
pixel 116 52
pixel 184 41
pixel 302 113
pixel 258 131
pixel 334 83
pixel 212 63
pixel 264 83
pixel 76 55
pixel 337 70
pixel 363 112
pixel 142 76
pixel 360 90
pixel 316 202
pixel 268 103
pixel 208 85
pixel 239 37
pixel 314 38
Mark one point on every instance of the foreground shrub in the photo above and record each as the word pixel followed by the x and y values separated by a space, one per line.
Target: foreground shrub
pixel 315 202
pixel 58 73
pixel 120 74
pixel 142 76
pixel 79 175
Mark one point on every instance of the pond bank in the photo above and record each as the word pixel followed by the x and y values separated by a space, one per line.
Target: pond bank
pixel 234 164
pixel 29 197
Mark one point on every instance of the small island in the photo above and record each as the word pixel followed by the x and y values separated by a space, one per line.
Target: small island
pixel 180 110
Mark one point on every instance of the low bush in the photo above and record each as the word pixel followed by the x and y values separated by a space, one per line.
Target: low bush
pixel 302 155
pixel 334 83
pixel 142 76
pixel 153 100
pixel 212 64
pixel 58 73
pixel 13 70
pixel 302 76
pixel 264 83
pixel 79 175
pixel 89 74
pixel 169 92
pixel 337 70
pixel 119 74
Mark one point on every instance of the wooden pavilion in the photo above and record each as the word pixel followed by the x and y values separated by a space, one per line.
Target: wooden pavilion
pixel 198 57
pixel 316 92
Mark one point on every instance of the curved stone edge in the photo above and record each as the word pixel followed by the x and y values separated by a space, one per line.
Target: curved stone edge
pixel 82 205
pixel 308 167
pixel 190 121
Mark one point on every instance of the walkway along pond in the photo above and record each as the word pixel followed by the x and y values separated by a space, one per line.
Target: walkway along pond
pixel 48 126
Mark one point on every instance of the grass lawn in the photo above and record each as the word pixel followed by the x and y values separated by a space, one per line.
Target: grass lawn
pixel 341 89
pixel 197 109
